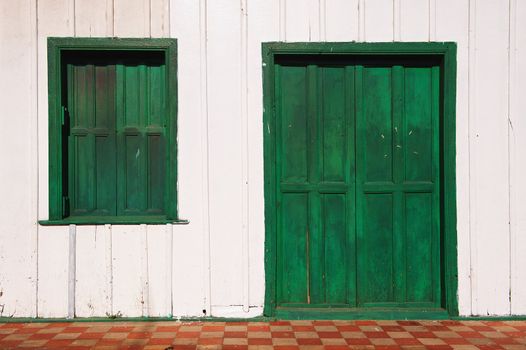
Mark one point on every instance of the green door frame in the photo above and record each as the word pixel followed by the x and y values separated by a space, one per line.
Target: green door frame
pixel 446 53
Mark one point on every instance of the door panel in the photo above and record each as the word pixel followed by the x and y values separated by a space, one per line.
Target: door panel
pixel 91 106
pixel 315 162
pixel 293 246
pixel 116 116
pixel 358 173
pixel 398 240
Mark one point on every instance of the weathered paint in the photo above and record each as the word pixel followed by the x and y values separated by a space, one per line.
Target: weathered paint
pixel 488 196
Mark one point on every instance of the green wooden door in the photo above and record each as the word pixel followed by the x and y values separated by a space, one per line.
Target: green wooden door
pixel 357 167
pixel 116 121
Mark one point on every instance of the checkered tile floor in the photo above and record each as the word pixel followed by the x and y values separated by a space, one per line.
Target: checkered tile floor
pixel 281 335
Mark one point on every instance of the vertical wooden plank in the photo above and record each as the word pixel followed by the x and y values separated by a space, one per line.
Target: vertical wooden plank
pixel 18 184
pixel 105 142
pixel 418 126
pixel 55 18
pixel 399 105
pixel 419 212
pixel 94 18
pixel 335 248
pixel 333 118
pixel 297 20
pixel 517 156
pixel 341 20
pixel 380 130
pixel 53 271
pixel 414 20
pixel 378 17
pixel 452 24
pixel 157 271
pixel 132 18
pixel 375 252
pixel 353 102
pixel 90 290
pixel 159 18
pixel 293 250
pixel 263 25
pixel 374 211
pixel 189 247
pixel 489 145
pixel 225 140
pixel 334 137
pixel 315 244
pixel 294 133
pixel 128 293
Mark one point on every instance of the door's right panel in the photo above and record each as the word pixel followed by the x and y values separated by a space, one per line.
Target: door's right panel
pixel 398 203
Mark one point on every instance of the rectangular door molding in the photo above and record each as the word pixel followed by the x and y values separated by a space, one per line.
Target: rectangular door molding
pixel 359 180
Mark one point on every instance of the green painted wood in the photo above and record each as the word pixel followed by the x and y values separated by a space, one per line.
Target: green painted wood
pixel 91 135
pixel 374 216
pixel 117 147
pixel 91 159
pixel 383 215
pixel 294 273
pixel 313 161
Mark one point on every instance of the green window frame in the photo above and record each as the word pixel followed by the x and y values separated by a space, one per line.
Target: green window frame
pixel 120 53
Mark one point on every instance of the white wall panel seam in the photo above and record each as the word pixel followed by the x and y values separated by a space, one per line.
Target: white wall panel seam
pixel 144 275
pixel 282 20
pixel 472 160
pixel 245 160
pixel 34 151
pixel 169 269
pixel 150 18
pixel 108 255
pixel 74 3
pixel 205 157
pixel 511 145
pixel 322 10
pixel 397 20
pixel 113 17
pixel 361 20
pixel 72 269
pixel 432 21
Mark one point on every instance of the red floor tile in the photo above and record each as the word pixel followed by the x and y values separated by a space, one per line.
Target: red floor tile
pixel 281 335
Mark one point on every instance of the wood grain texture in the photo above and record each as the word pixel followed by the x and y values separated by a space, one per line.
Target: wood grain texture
pixel 414 20
pixel 159 18
pixel 225 140
pixel 378 20
pixel 93 18
pixel 485 246
pixel 17 217
pixel 55 18
pixel 189 242
pixel 394 256
pixel 263 25
pixel 53 271
pixel 128 275
pixel 297 20
pixel 342 18
pixel 91 291
pixel 489 145
pixel 132 18
pixel 158 267
pixel 517 132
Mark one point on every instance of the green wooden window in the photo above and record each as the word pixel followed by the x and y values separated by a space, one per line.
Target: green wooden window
pixel 358 179
pixel 112 130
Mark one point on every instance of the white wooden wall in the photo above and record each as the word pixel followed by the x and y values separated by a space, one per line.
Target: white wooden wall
pixel 215 265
